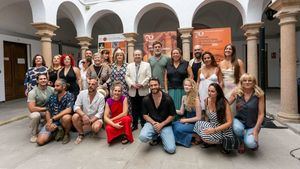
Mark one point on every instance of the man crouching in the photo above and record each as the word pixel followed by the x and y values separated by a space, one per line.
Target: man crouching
pixel 89 108
pixel 58 115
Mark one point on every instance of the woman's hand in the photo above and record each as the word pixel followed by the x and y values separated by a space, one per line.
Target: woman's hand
pixel 209 131
pixel 117 125
pixel 182 120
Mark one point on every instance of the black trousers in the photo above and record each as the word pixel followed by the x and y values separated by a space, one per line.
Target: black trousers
pixel 136 104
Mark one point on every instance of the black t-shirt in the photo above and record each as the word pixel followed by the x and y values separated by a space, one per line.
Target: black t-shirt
pixel 195 68
pixel 97 69
pixel 164 110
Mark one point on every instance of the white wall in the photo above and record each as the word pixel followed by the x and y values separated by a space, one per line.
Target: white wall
pixel 34 48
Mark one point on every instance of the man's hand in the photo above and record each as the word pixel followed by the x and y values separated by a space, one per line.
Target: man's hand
pixel 86 119
pixel 255 134
pixel 158 126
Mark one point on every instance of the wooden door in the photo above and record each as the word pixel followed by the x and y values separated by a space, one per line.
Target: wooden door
pixel 15 66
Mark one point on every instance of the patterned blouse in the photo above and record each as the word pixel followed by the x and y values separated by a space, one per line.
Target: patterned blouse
pixel 30 77
pixel 119 75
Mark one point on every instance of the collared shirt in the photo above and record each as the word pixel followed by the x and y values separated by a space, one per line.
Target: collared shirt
pixel 55 106
pixel 164 110
pixel 94 108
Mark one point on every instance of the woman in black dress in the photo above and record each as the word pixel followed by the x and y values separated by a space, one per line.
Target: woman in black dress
pixel 71 74
pixel 53 70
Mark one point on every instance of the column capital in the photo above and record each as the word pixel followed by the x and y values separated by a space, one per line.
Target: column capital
pixel 185 32
pixel 251 30
pixel 45 30
pixel 84 41
pixel 130 37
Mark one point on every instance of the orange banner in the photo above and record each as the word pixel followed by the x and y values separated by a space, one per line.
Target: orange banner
pixel 168 40
pixel 110 42
pixel 213 40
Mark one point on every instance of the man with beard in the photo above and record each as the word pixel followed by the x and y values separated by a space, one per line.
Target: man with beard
pixel 196 62
pixel 58 115
pixel 89 108
pixel 159 111
pixel 158 62
pixel 36 101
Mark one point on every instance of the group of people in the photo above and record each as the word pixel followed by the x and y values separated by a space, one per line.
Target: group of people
pixel 175 101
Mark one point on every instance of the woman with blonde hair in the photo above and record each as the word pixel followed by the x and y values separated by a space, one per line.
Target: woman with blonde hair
pixel 190 113
pixel 53 70
pixel 250 107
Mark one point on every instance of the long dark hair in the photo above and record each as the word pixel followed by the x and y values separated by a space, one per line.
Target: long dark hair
pixel 220 103
pixel 235 63
pixel 33 60
pixel 212 57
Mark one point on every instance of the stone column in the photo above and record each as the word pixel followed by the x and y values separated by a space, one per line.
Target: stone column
pixel 46 31
pixel 130 39
pixel 287 12
pixel 251 32
pixel 186 42
pixel 84 42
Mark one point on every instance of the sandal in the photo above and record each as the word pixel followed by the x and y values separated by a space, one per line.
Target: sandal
pixel 79 138
pixel 224 151
pixel 124 140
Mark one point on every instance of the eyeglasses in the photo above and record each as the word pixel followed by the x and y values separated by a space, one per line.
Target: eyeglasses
pixel 197 49
pixel 83 62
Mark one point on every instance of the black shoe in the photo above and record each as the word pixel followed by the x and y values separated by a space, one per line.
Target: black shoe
pixel 154 142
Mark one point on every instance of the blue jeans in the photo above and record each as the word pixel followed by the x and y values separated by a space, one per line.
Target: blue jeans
pixel 183 133
pixel 244 134
pixel 166 134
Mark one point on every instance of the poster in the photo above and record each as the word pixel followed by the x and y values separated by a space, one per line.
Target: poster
pixel 213 40
pixel 168 40
pixel 110 42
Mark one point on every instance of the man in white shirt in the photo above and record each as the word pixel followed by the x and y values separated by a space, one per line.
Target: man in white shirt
pixel 137 76
pixel 88 108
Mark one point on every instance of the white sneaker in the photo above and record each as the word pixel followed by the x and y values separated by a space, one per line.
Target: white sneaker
pixel 33 139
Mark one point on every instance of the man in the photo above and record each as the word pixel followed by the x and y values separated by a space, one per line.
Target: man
pixel 196 62
pixel 159 111
pixel 158 62
pixel 99 70
pixel 89 108
pixel 58 115
pixel 137 76
pixel 36 101
pixel 88 54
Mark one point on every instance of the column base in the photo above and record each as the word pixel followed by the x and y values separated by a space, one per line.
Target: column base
pixel 285 117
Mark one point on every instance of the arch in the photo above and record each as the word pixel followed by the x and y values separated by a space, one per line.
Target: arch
pixel 38 11
pixel 255 10
pixel 96 16
pixel 235 3
pixel 148 8
pixel 74 14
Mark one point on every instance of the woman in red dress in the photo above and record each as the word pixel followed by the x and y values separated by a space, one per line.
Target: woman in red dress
pixel 116 117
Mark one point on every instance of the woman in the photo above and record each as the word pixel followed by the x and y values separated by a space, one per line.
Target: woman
pixel 106 57
pixel 250 107
pixel 209 73
pixel 71 74
pixel 55 67
pixel 116 117
pixel 232 68
pixel 118 70
pixel 86 63
pixel 177 70
pixel 38 67
pixel 219 115
pixel 191 112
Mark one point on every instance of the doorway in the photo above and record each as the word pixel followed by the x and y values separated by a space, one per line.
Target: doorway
pixel 15 67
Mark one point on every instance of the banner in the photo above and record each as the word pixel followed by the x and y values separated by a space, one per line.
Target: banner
pixel 168 40
pixel 213 40
pixel 110 42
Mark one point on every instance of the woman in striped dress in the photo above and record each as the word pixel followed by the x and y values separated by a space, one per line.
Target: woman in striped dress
pixel 219 115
